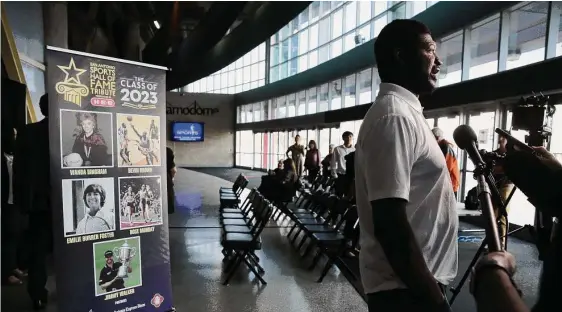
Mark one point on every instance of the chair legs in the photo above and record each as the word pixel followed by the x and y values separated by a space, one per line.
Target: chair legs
pixel 251 261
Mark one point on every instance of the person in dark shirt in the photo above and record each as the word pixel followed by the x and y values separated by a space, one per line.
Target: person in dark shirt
pixel 108 275
pixel 312 161
pixel 172 170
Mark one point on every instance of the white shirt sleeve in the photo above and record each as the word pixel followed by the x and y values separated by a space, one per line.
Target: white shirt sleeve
pixel 334 162
pixel 389 155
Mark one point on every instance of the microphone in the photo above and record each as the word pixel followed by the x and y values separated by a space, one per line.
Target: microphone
pixel 466 139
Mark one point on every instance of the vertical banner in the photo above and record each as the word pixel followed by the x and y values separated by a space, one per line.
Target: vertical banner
pixel 108 176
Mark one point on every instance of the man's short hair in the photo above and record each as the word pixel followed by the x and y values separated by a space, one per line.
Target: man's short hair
pixel 94 188
pixel 399 34
pixel 346 134
pixel 44 104
pixel 437 132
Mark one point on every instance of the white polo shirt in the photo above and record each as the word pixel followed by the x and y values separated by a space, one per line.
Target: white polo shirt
pixel 397 156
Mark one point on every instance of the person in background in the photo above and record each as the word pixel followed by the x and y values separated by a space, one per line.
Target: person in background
pixel 338 166
pixel 11 231
pixel 326 162
pixel 297 154
pixel 282 185
pixel 33 197
pixel 450 159
pixel 505 186
pixel 405 201
pixel 171 173
pixel 312 161
pixel 277 171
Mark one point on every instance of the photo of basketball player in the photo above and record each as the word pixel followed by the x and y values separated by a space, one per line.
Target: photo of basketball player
pixel 88 206
pixel 140 202
pixel 117 265
pixel 138 140
pixel 86 139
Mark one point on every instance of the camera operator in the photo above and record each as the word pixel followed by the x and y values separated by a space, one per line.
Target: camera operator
pixel 492 285
pixel 505 186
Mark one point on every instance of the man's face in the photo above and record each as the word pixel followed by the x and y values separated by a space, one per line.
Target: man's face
pixel 297 139
pixel 424 65
pixel 93 199
pixel 502 142
pixel 109 260
pixel 130 189
pixel 348 140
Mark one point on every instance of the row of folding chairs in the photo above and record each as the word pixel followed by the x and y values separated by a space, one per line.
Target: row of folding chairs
pixel 241 227
pixel 328 223
pixel 230 196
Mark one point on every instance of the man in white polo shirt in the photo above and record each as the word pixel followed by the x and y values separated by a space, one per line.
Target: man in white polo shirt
pixel 404 195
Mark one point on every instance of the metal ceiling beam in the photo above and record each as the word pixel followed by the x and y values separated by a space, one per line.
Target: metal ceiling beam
pixel 267 20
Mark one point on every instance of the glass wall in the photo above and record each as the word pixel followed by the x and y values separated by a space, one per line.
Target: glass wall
pixel 248 72
pixel 268 148
pixel 478 50
pixel 326 30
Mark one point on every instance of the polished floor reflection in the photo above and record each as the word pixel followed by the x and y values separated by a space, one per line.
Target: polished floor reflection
pixel 196 264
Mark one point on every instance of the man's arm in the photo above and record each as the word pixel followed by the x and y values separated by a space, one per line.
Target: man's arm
pixel 492 286
pixel 334 162
pixel 496 293
pixel 387 174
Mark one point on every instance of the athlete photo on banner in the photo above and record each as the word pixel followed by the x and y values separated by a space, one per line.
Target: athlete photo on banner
pixel 140 200
pixel 88 206
pixel 117 265
pixel 86 139
pixel 138 140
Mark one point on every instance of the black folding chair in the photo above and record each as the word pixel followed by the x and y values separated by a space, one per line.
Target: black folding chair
pixel 241 247
pixel 231 200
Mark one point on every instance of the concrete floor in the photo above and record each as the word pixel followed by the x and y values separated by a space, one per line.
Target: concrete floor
pixel 197 266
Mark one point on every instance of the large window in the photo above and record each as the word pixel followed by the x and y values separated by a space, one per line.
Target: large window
pixel 349 91
pixel 332 28
pixel 527 34
pixel 449 50
pixel 365 86
pixel 246 73
pixel 483 43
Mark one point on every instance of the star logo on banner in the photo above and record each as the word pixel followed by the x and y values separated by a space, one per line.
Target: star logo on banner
pixel 71 87
pixel 157 300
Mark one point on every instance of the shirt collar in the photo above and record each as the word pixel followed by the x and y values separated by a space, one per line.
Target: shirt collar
pixel 405 94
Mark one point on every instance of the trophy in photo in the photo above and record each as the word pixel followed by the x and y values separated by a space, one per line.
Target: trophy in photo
pixel 124 253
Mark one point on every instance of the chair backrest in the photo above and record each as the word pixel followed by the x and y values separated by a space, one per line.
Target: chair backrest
pixel 242 186
pixel 237 182
pixel 248 201
pixel 266 210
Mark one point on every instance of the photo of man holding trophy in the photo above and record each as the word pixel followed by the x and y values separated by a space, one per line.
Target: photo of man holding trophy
pixel 117 265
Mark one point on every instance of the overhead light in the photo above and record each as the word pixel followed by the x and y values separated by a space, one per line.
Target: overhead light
pixel 157 24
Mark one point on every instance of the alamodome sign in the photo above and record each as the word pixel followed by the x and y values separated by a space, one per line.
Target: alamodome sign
pixel 194 109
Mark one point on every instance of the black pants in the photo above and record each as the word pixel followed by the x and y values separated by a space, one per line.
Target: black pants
pixel 171 195
pixel 312 174
pixel 342 185
pixel 10 239
pixel 396 300
pixel 40 226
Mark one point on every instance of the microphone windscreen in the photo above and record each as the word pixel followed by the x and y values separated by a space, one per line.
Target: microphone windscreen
pixel 464 136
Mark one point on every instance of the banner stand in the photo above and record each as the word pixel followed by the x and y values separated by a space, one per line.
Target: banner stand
pixel 107 140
